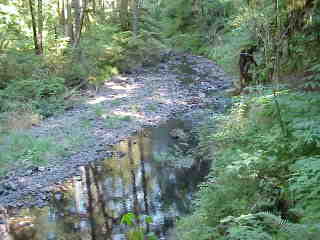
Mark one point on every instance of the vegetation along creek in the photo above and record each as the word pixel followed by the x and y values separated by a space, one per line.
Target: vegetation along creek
pixel 143 176
pixel 159 119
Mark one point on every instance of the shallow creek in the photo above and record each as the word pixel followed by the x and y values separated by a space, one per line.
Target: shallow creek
pixel 137 179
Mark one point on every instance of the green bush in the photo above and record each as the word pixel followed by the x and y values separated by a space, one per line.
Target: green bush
pixel 263 184
pixel 36 88
pixel 17 65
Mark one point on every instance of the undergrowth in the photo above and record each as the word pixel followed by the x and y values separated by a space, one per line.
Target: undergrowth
pixel 263 183
pixel 222 29
pixel 34 87
pixel 23 150
pixel 46 83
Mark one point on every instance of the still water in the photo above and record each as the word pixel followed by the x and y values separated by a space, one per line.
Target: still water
pixel 137 179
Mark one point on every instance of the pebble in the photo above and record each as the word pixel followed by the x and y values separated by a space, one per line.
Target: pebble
pixel 158 87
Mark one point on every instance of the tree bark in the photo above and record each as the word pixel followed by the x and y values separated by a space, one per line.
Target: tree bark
pixel 34 29
pixel 79 13
pixel 40 26
pixel 70 32
pixel 83 14
pixel 63 16
pixel 77 22
pixel 124 14
pixel 135 17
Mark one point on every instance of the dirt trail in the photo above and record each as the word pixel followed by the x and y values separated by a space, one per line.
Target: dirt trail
pixel 122 106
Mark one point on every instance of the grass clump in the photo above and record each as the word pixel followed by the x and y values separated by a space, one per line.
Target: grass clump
pixel 21 150
pixel 115 121
pixel 116 102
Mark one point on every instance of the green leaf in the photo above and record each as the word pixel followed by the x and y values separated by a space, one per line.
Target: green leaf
pixel 128 219
pixel 152 236
pixel 149 220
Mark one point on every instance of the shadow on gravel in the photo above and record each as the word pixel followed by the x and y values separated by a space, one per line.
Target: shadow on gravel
pixel 147 97
pixel 143 176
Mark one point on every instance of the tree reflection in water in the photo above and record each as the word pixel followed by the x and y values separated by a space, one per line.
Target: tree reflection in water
pixel 91 208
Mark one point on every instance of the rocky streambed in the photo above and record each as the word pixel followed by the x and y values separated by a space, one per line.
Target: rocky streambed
pixel 181 84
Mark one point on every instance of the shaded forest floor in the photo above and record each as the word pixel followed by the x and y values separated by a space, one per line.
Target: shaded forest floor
pixel 59 145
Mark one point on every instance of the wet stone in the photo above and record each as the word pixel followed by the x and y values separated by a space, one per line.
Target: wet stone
pixel 112 185
pixel 2 191
pixel 149 85
pixel 58 196
pixel 10 186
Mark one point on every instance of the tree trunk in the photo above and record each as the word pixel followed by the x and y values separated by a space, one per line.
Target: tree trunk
pixel 79 14
pixel 124 14
pixel 77 22
pixel 63 15
pixel 140 3
pixel 69 26
pixel 40 27
pixel 135 17
pixel 94 6
pixel 34 29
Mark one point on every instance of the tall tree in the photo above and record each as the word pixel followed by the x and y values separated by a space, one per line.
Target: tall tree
pixel 34 29
pixel 62 15
pixel 124 4
pixel 69 26
pixel 79 14
pixel 77 22
pixel 135 16
pixel 40 26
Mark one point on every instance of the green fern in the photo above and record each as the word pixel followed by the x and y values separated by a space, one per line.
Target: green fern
pixel 256 168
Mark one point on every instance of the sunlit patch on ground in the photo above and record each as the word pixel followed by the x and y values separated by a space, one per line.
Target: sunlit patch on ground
pixel 79 136
pixel 97 100
pixel 116 86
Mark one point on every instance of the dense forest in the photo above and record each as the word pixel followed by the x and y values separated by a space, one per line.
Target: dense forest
pixel 264 148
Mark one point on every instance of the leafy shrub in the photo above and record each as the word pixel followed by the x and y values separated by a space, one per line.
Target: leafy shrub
pixel 50 106
pixel 36 88
pixel 17 65
pixel 304 185
pixel 263 184
pixel 136 231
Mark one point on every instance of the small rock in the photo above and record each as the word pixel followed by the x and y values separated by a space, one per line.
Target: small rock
pixel 28 172
pixel 58 196
pixel 10 186
pixel 46 189
pixel 178 133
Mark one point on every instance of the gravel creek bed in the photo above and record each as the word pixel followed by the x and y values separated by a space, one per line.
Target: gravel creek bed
pixel 122 107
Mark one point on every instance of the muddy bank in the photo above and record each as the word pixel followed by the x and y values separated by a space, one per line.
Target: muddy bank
pixel 123 106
